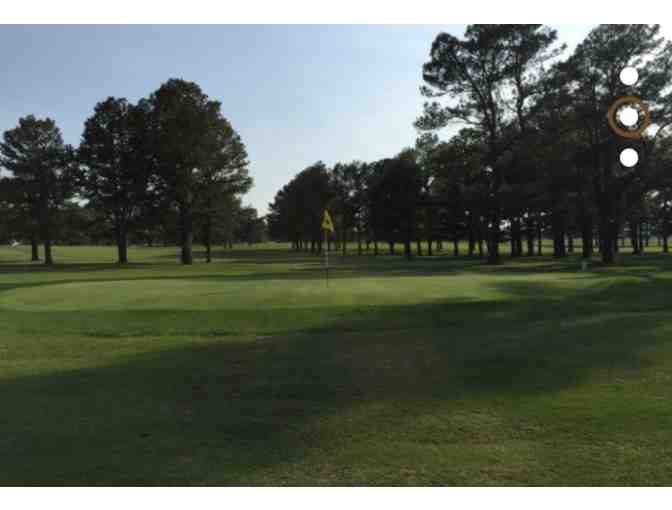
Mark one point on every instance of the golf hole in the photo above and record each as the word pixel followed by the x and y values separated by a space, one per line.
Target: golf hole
pixel 629 76
pixel 629 157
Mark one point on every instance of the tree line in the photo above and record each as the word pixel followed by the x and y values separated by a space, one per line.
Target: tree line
pixel 531 155
pixel 166 169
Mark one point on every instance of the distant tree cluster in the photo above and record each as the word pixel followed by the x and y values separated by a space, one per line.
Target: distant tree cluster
pixel 165 170
pixel 369 203
pixel 532 155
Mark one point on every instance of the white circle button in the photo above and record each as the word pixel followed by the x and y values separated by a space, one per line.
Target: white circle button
pixel 629 76
pixel 628 116
pixel 629 157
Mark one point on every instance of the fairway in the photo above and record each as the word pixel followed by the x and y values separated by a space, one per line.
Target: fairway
pixel 250 371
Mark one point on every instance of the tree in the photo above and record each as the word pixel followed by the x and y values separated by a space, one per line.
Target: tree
pixel 76 226
pixel 395 190
pixel 190 138
pixel 592 75
pixel 423 154
pixel 459 189
pixel 114 165
pixel 7 213
pixel 18 213
pixel 348 181
pixel 296 213
pixel 535 157
pixel 249 227
pixel 491 77
pixel 40 164
pixel 661 192
pixel 218 186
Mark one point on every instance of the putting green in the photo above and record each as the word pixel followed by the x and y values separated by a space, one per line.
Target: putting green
pixel 233 293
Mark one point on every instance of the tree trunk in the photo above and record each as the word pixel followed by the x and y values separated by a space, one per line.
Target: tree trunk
pixel 456 247
pixel 207 239
pixel 407 249
pixel 46 234
pixel 122 249
pixel 187 236
pixel 558 231
pixel 34 249
pixel 122 242
pixel 519 243
pixel 45 220
pixel 391 247
pixel 586 237
pixel 418 245
pixel 634 238
pixel 530 237
pixel 48 259
pixel 607 250
pixel 472 238
pixel 493 240
pixel 46 238
pixel 607 220
pixel 607 240
pixel 516 246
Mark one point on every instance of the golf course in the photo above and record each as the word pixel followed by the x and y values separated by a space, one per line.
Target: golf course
pixel 250 370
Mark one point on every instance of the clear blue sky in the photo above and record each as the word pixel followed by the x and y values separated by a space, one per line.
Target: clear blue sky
pixel 296 94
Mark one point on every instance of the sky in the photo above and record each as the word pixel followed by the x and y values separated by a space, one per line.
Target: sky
pixel 296 94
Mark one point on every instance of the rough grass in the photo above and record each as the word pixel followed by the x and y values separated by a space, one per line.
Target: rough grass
pixel 250 371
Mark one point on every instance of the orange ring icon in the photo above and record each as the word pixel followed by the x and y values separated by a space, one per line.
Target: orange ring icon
pixel 611 117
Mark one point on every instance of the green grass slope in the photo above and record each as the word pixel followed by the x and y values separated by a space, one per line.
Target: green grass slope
pixel 251 371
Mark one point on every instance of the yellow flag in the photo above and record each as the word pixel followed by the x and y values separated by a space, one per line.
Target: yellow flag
pixel 327 224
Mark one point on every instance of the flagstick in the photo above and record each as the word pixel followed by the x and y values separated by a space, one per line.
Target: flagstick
pixel 326 255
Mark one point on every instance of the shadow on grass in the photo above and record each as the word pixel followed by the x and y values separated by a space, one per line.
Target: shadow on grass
pixel 79 267
pixel 366 264
pixel 253 412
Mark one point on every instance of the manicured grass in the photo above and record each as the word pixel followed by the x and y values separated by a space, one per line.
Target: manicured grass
pixel 250 371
